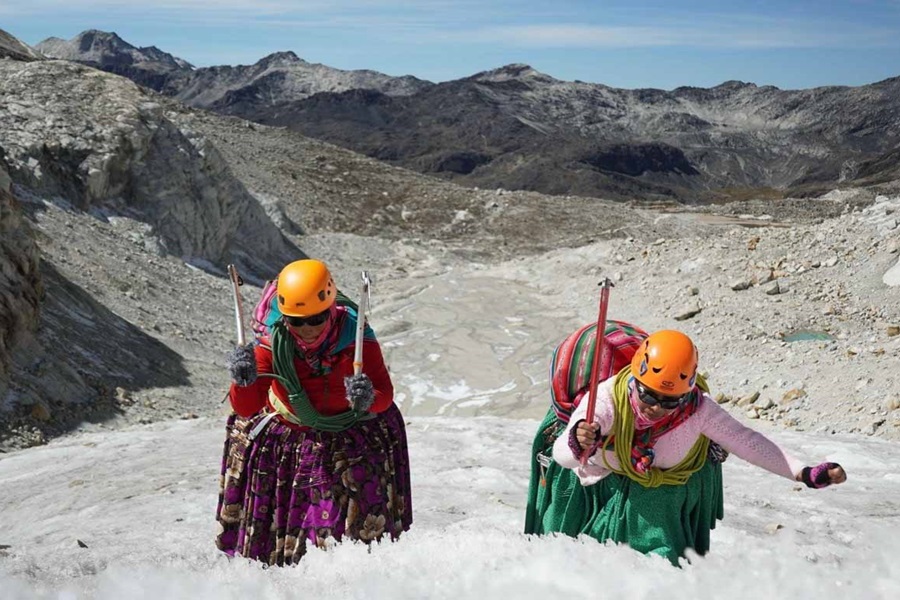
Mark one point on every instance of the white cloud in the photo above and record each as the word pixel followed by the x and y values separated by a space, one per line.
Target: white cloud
pixel 761 36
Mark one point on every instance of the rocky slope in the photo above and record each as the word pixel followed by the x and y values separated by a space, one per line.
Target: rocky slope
pixel 312 187
pixel 96 148
pixel 104 145
pixel 798 325
pixel 21 288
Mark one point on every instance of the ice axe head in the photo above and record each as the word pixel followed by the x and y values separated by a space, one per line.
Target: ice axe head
pixel 367 285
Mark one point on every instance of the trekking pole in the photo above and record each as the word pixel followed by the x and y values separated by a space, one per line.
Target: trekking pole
pixel 365 296
pixel 599 350
pixel 236 281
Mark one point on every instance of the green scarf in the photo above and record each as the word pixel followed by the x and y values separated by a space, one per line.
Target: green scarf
pixel 623 432
pixel 298 409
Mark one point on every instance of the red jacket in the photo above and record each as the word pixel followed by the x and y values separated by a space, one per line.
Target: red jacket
pixel 326 393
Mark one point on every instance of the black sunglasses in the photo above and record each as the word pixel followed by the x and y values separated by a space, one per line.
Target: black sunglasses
pixel 648 396
pixel 312 320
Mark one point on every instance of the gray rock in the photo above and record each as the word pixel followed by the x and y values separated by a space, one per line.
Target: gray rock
pixel 748 400
pixel 688 311
pixel 764 403
pixel 777 287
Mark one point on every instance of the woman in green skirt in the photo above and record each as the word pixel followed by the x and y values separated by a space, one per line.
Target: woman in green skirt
pixel 638 471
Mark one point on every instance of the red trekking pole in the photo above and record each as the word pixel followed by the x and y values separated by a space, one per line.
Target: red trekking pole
pixel 599 352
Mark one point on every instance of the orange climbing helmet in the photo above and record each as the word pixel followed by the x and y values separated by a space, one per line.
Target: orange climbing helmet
pixel 666 362
pixel 305 288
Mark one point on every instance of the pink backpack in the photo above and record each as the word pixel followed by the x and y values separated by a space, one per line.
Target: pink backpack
pixel 266 312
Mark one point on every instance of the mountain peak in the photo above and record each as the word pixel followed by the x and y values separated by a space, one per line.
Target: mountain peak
pixel 94 39
pixel 507 72
pixel 105 48
pixel 91 45
pixel 99 33
pixel 283 58
pixel 736 84
pixel 154 54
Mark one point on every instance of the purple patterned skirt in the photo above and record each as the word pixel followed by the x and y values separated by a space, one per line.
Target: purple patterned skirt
pixel 289 487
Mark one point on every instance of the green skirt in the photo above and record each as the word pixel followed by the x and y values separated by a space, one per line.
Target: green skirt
pixel 665 520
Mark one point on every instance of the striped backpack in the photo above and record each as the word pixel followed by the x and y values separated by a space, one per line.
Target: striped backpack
pixel 572 359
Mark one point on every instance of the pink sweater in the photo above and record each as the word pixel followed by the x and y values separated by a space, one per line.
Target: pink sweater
pixel 710 420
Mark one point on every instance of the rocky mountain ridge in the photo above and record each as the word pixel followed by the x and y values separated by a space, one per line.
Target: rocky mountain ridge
pixel 14 49
pixel 516 128
pixel 103 49
pixel 225 89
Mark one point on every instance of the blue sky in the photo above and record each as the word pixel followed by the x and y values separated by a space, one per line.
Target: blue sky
pixel 622 43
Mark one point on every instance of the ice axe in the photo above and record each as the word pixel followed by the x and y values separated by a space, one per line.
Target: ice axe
pixel 600 348
pixel 236 282
pixel 365 296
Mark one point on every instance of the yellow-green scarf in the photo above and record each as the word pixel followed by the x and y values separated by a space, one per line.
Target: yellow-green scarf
pixel 623 432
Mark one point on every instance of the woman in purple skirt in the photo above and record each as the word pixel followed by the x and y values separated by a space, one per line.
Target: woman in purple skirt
pixel 313 451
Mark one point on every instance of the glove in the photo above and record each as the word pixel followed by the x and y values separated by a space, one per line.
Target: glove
pixel 241 362
pixel 574 444
pixel 360 392
pixel 818 477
